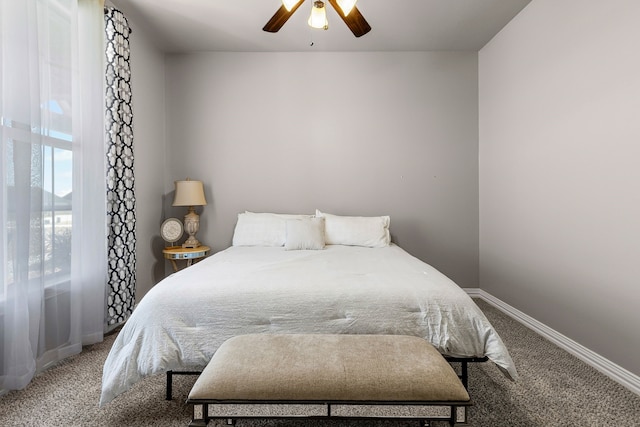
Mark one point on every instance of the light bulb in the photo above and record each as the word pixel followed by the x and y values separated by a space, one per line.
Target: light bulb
pixel 318 18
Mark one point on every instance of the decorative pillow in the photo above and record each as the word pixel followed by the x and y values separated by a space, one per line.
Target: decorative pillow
pixel 370 231
pixel 304 234
pixel 262 229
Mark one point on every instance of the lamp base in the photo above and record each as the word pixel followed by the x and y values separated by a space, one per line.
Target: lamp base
pixel 191 225
pixel 189 243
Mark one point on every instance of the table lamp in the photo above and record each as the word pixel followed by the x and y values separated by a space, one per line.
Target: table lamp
pixel 190 193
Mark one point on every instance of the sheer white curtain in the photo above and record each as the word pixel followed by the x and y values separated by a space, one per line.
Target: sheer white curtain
pixel 52 183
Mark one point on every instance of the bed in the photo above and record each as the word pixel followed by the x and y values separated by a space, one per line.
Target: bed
pixel 372 288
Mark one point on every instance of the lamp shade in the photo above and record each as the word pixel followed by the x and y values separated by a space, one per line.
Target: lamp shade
pixel 347 6
pixel 318 18
pixel 289 4
pixel 189 193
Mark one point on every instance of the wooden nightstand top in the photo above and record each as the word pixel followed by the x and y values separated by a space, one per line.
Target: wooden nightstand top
pixel 178 252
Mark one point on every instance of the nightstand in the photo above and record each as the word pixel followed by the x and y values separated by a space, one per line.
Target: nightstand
pixel 191 255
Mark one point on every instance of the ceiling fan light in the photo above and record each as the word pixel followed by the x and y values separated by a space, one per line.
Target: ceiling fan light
pixel 289 4
pixel 347 5
pixel 318 18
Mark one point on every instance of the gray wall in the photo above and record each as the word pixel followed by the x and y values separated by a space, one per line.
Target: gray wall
pixel 347 133
pixel 560 171
pixel 148 84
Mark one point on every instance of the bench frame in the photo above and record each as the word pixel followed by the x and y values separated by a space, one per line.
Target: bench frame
pixel 202 419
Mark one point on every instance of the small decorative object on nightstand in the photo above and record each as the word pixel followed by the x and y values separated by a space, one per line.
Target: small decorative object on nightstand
pixel 191 255
pixel 171 230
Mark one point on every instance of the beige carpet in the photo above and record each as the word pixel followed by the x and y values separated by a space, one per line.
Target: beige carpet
pixel 555 389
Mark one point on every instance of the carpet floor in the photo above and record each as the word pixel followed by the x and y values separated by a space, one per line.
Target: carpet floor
pixel 554 389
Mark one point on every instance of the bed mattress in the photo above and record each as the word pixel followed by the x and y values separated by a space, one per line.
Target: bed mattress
pixel 181 322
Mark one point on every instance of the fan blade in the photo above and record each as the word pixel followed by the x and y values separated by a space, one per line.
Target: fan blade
pixel 355 21
pixel 281 16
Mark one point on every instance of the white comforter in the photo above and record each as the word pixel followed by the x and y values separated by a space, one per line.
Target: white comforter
pixel 181 322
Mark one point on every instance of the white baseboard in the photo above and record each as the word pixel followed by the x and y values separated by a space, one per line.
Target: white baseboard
pixel 615 372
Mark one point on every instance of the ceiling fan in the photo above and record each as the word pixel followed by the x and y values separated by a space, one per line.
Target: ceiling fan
pixel 345 8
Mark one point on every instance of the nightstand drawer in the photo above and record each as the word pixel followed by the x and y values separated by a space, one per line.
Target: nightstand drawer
pixel 191 255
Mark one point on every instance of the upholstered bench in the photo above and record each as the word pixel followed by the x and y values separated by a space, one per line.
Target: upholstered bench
pixel 330 371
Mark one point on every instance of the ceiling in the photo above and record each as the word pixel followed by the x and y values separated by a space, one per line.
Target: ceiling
pixel 397 25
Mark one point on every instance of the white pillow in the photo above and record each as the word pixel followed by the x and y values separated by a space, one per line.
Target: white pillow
pixel 304 234
pixel 370 231
pixel 262 229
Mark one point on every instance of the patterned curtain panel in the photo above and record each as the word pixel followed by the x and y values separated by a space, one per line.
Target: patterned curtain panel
pixel 121 199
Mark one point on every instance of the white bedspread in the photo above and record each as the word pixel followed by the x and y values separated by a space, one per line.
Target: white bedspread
pixel 181 322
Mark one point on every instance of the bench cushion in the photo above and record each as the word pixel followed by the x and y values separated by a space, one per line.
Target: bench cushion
pixel 310 367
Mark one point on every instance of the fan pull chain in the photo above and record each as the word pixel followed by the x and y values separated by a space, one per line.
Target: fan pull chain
pixel 311 42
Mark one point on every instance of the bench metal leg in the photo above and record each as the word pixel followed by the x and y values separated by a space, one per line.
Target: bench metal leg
pixel 464 365
pixel 170 375
pixel 169 384
pixel 200 422
pixel 465 375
